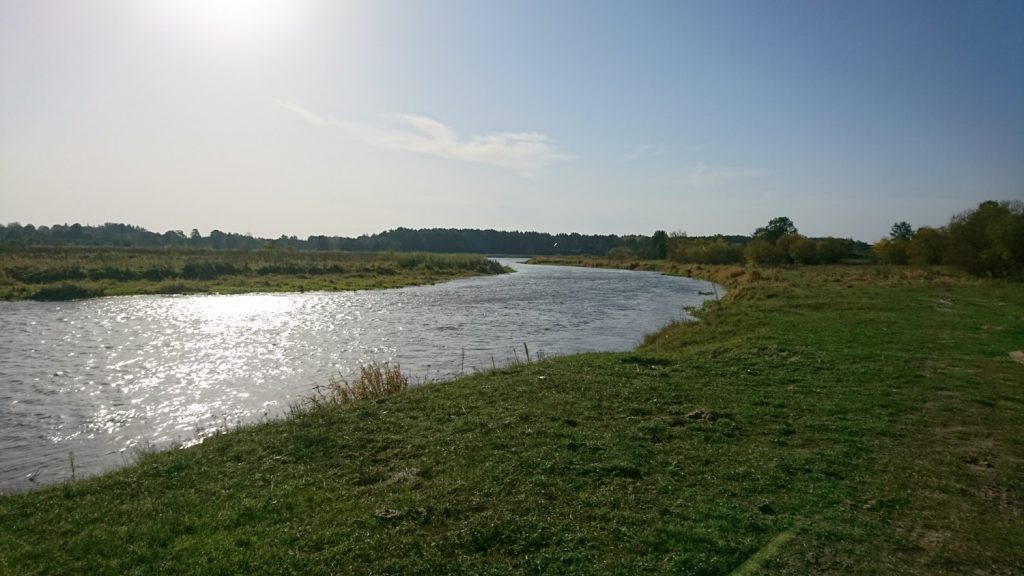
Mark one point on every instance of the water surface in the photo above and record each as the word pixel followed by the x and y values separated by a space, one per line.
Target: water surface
pixel 103 377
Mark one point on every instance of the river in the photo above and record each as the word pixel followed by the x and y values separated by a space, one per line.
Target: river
pixel 97 380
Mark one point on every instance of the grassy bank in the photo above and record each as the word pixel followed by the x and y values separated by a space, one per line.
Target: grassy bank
pixel 827 420
pixel 70 273
pixel 730 276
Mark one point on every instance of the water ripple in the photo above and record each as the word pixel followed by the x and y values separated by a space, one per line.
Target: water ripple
pixel 102 377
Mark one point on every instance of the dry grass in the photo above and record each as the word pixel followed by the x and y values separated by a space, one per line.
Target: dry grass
pixel 375 380
pixel 75 273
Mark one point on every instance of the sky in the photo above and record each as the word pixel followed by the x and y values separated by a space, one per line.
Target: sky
pixel 304 117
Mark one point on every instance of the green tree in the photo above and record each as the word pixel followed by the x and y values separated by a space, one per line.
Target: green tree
pixel 776 228
pixel 989 240
pixel 621 253
pixel 890 251
pixel 762 252
pixel 832 250
pixel 717 250
pixel 803 250
pixel 901 231
pixel 660 244
pixel 927 247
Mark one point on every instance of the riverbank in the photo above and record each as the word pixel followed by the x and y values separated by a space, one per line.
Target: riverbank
pixel 72 273
pixel 68 370
pixel 830 420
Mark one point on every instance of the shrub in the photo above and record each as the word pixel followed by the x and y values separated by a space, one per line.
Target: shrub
pixel 927 246
pixel 37 274
pixel 621 253
pixel 762 252
pixel 65 291
pixel 375 380
pixel 891 251
pixel 702 251
pixel 207 270
pixel 988 241
pixel 832 250
pixel 803 250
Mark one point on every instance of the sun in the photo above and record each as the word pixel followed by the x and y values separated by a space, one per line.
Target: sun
pixel 232 24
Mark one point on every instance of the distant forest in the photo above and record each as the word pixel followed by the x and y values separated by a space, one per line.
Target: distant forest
pixel 444 240
pixel 985 241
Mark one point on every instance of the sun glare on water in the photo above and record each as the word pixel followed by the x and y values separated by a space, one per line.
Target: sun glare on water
pixel 241 309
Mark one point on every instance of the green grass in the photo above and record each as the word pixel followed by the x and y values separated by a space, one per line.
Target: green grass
pixel 828 420
pixel 72 273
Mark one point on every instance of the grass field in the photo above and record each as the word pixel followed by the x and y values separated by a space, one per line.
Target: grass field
pixel 71 273
pixel 831 420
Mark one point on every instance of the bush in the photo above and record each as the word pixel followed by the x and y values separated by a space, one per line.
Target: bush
pixel 207 270
pixel 832 250
pixel 702 251
pixel 927 247
pixel 803 250
pixel 375 381
pixel 621 253
pixel 65 291
pixel 891 251
pixel 35 274
pixel 762 252
pixel 988 241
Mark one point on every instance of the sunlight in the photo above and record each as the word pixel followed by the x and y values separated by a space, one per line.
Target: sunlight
pixel 241 308
pixel 232 24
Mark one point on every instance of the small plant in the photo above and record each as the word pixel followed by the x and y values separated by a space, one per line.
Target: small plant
pixel 65 291
pixel 376 380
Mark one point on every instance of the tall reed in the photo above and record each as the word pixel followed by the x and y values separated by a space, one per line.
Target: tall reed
pixel 375 380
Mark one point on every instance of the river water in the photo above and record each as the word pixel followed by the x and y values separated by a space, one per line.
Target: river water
pixel 104 378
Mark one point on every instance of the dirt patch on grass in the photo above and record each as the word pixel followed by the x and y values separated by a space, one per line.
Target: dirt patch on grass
pixel 1017 356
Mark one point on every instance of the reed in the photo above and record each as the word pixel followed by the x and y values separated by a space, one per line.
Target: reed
pixel 375 380
pixel 74 273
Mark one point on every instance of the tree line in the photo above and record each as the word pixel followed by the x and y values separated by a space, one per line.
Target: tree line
pixel 437 240
pixel 440 240
pixel 985 241
pixel 776 244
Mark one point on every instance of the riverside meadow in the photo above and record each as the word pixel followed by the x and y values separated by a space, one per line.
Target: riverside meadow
pixel 832 419
pixel 72 272
pixel 428 288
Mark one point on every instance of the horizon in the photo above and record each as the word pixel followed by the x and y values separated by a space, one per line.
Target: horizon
pixel 304 118
pixel 186 232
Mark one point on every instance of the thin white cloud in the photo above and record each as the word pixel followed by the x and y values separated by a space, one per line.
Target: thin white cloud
pixel 701 175
pixel 525 152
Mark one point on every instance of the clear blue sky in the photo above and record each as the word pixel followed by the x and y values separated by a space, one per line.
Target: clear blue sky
pixel 303 117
